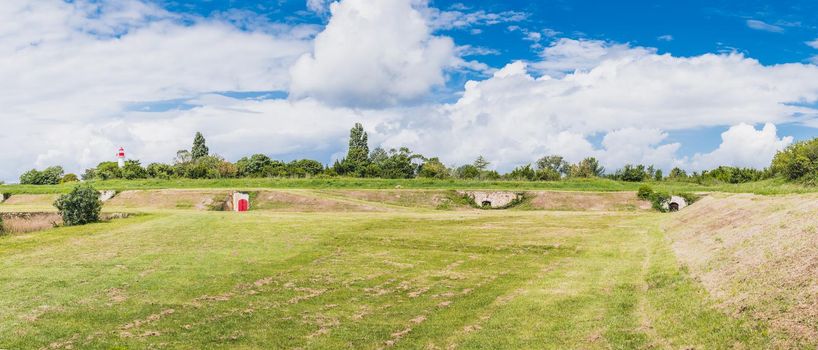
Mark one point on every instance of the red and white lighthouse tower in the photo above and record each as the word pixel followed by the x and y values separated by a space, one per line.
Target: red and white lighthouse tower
pixel 120 158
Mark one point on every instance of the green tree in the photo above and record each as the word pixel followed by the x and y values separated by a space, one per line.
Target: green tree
pixel 199 149
pixel 798 162
pixel 588 167
pixel 357 159
pixel 49 176
pixel 467 171
pixel 525 172
pixel 133 170
pixel 253 166
pixel 677 174
pixel 69 178
pixel 555 163
pixel 481 163
pixel 79 207
pixel 433 168
pixel 658 176
pixel 108 171
pixel 159 170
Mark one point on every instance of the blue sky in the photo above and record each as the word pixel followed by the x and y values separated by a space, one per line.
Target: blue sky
pixel 692 84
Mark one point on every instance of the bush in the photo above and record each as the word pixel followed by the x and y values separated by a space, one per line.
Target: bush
pixel 49 176
pixel 2 230
pixel 645 192
pixel 690 198
pixel 658 199
pixel 798 162
pixel 69 178
pixel 79 207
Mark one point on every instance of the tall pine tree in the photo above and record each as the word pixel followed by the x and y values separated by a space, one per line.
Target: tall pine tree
pixel 199 149
pixel 358 155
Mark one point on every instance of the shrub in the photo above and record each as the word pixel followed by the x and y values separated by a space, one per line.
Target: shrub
pixel 690 198
pixel 2 229
pixel 798 162
pixel 69 178
pixel 79 207
pixel 645 192
pixel 658 199
pixel 49 176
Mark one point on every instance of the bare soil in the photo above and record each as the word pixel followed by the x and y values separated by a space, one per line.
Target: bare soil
pixel 305 202
pixel 757 255
pixel 168 199
pixel 587 201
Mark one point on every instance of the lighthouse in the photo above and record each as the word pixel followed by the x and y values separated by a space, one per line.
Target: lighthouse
pixel 120 158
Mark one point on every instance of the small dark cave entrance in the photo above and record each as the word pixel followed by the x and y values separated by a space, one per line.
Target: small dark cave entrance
pixel 674 206
pixel 486 204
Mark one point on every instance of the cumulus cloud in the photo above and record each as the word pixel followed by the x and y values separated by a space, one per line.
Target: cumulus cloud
pixel 567 55
pixel 67 66
pixel 73 72
pixel 813 44
pixel 743 146
pixel 633 96
pixel 373 54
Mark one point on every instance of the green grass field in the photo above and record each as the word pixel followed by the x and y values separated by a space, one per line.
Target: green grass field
pixel 182 279
pixel 773 186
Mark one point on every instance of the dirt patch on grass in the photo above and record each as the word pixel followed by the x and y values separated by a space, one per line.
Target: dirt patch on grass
pixel 403 198
pixel 289 201
pixel 168 199
pixel 586 201
pixel 32 199
pixel 757 255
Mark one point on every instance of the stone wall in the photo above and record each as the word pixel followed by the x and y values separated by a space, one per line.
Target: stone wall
pixel 492 199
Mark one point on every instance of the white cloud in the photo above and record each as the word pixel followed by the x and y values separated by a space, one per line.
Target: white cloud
pixel 813 44
pixel 743 146
pixel 319 6
pixel 459 18
pixel 72 71
pixel 763 26
pixel 567 55
pixel 68 66
pixel 666 37
pixel 631 95
pixel 373 54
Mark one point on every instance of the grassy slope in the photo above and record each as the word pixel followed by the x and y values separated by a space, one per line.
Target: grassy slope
pixel 775 186
pixel 485 279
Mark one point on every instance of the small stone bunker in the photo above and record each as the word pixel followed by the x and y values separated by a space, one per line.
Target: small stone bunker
pixel 675 203
pixel 492 199
pixel 238 201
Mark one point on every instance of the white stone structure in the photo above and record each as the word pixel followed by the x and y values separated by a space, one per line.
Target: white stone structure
pixel 675 203
pixel 241 201
pixel 104 196
pixel 493 199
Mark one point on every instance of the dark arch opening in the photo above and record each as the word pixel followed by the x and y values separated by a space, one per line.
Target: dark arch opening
pixel 674 206
pixel 486 204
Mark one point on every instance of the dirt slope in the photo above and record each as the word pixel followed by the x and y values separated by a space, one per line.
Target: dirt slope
pixel 586 201
pixel 757 255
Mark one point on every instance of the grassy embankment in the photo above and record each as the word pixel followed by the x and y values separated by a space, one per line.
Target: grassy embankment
pixel 774 186
pixel 475 279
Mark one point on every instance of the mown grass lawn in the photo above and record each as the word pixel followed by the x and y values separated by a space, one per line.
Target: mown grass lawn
pixel 473 279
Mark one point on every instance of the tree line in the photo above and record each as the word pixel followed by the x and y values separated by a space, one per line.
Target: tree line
pixel 798 162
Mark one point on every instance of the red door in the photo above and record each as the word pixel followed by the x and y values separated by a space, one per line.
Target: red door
pixel 244 205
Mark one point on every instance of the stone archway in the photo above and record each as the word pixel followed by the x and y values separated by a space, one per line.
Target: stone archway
pixel 486 204
pixel 673 206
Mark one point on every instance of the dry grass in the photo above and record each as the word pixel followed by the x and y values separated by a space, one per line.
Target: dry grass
pixel 167 199
pixel 757 255
pixel 586 201
pixel 29 222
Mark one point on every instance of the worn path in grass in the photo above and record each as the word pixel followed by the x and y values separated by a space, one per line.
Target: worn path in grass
pixel 403 279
